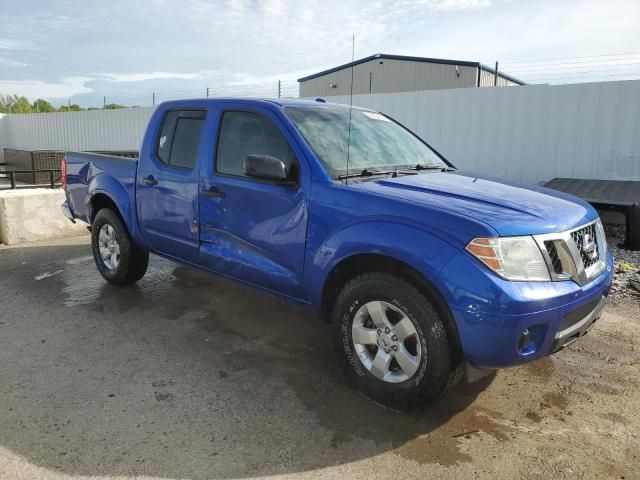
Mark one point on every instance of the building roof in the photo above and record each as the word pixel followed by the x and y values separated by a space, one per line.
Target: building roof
pixel 443 61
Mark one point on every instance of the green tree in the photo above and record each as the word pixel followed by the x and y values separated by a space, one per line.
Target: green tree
pixel 21 105
pixel 113 106
pixel 94 108
pixel 7 102
pixel 74 107
pixel 41 105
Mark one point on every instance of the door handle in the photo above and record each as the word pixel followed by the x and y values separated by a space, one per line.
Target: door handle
pixel 149 180
pixel 213 191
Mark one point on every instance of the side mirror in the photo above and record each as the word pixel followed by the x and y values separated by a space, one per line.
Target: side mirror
pixel 266 167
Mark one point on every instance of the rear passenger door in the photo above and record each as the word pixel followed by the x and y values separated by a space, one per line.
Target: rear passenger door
pixel 167 197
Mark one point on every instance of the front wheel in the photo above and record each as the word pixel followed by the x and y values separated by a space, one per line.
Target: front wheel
pixel 393 339
pixel 118 259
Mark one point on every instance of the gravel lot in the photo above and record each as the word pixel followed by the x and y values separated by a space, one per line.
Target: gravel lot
pixel 626 283
pixel 187 376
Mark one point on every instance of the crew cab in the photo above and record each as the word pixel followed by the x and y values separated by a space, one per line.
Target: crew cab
pixel 425 272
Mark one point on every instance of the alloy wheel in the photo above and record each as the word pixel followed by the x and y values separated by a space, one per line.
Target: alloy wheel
pixel 109 247
pixel 386 341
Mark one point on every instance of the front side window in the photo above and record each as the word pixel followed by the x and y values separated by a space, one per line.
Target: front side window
pixel 248 133
pixel 179 138
pixel 377 142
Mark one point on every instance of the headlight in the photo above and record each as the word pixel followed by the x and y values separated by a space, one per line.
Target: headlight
pixel 513 258
pixel 600 228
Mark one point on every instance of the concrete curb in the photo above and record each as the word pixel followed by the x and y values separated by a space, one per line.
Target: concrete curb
pixel 33 214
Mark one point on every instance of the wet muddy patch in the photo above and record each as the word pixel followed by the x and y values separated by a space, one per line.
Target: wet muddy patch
pixel 555 399
pixel 446 444
pixel 615 418
pixel 533 416
pixel 542 369
pixel 83 284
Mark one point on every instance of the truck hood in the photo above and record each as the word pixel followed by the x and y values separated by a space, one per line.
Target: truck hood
pixel 509 208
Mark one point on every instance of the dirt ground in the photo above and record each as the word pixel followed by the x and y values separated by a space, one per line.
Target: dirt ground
pixel 188 376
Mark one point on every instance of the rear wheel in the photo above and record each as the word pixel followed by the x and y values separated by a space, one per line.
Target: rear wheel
pixel 393 339
pixel 118 259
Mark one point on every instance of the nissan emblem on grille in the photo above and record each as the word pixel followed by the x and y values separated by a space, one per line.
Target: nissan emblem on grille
pixel 589 247
pixel 585 240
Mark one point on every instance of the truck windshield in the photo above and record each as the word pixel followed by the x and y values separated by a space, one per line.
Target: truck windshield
pixel 377 142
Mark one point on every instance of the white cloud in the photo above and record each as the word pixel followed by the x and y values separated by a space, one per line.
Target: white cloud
pixel 248 79
pixel 8 62
pixel 11 44
pixel 140 77
pixel 172 46
pixel 445 5
pixel 33 89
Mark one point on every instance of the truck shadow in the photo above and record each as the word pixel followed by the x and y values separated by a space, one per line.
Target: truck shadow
pixel 187 375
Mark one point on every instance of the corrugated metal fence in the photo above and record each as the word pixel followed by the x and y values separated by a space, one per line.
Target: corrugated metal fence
pixel 120 129
pixel 528 133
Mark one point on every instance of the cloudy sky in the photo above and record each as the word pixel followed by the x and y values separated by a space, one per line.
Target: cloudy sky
pixel 126 49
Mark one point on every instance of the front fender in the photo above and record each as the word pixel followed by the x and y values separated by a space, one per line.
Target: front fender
pixel 401 240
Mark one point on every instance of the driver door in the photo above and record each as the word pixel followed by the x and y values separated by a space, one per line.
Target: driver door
pixel 251 229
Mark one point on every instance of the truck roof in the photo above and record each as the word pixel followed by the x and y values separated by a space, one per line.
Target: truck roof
pixel 283 102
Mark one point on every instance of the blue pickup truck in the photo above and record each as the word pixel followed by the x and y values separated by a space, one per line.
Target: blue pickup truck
pixel 425 272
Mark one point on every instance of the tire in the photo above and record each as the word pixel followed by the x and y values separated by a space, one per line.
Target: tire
pixel 423 341
pixel 127 263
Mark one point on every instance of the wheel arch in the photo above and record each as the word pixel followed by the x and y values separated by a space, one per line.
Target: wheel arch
pixel 358 264
pixel 101 200
pixel 106 190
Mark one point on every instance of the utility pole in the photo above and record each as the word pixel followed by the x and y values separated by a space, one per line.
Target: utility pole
pixel 104 102
pixel 153 98
pixel 279 88
pixel 207 92
pixel 495 80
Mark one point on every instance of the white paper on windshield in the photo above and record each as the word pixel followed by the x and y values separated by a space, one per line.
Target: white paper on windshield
pixel 375 116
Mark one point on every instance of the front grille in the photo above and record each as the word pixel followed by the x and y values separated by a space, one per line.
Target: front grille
pixel 579 254
pixel 583 238
pixel 556 263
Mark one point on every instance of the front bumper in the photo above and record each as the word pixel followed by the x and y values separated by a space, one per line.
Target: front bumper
pixel 502 323
pixel 581 321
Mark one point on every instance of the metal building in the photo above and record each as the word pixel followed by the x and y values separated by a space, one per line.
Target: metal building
pixel 383 73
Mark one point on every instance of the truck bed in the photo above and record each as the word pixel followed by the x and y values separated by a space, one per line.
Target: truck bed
pixel 89 173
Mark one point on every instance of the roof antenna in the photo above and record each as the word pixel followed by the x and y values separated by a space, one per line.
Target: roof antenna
pixel 353 51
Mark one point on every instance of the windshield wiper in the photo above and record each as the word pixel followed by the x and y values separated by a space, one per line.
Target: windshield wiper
pixel 370 173
pixel 422 166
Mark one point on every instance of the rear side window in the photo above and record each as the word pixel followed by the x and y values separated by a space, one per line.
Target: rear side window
pixel 249 133
pixel 179 138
